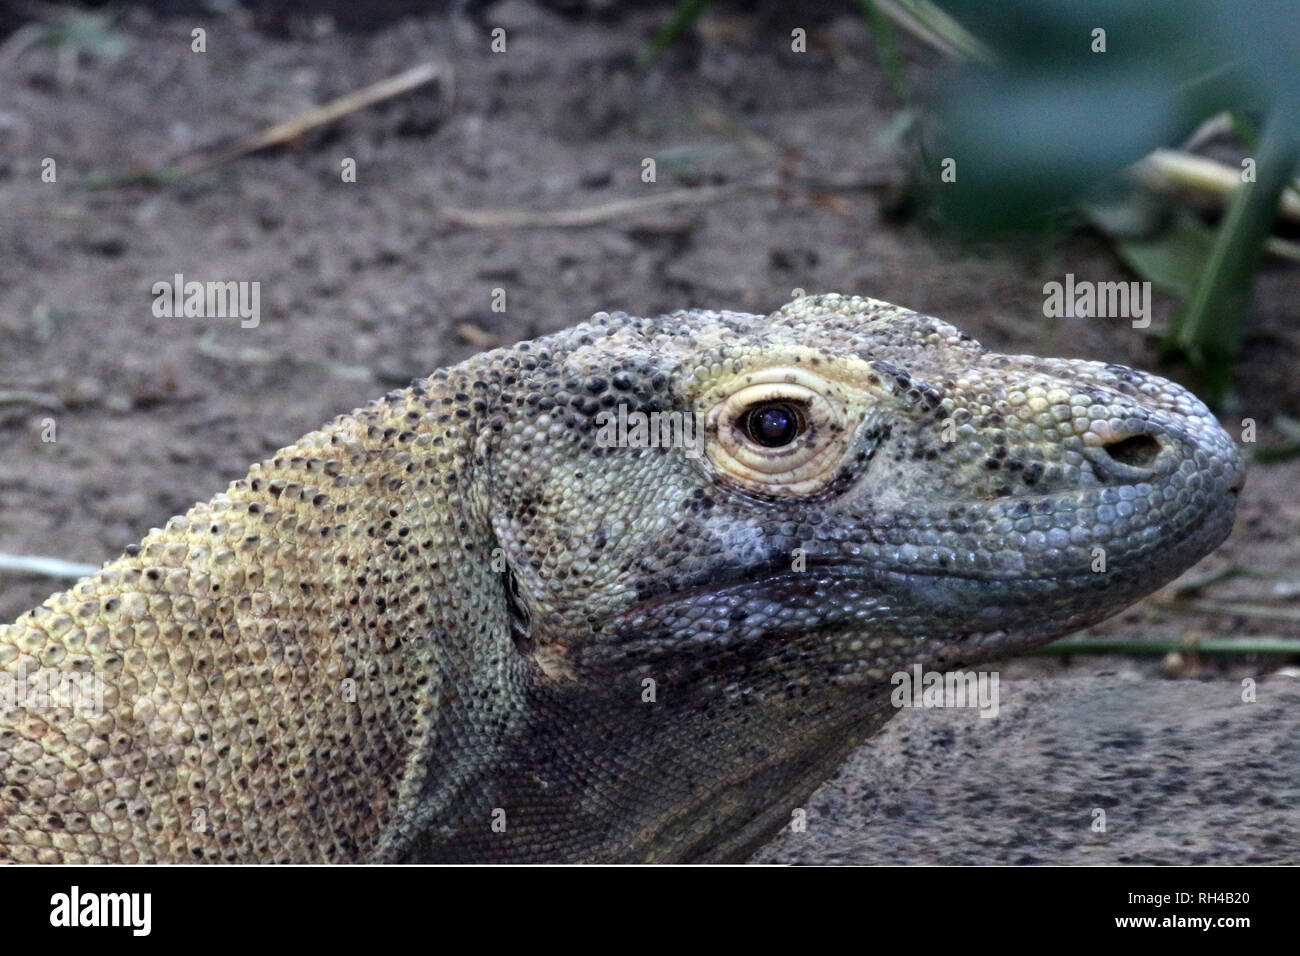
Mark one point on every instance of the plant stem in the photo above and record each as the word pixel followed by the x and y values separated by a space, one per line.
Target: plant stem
pixel 1149 645
pixel 1208 328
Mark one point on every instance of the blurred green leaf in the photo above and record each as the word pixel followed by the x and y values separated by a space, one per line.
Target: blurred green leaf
pixel 882 32
pixel 1078 92
pixel 1167 248
pixel 87 31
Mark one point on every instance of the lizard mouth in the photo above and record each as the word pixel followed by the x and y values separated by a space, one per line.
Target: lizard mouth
pixel 737 604
pixel 848 617
pixel 1199 537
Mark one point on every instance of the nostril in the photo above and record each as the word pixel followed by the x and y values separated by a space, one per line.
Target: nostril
pixel 1136 451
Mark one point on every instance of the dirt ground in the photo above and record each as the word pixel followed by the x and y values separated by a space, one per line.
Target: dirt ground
pixel 1109 769
pixel 367 284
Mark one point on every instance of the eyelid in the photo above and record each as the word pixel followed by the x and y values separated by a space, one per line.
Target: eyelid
pixel 768 393
pixel 800 402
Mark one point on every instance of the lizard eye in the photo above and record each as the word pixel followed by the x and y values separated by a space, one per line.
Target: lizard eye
pixel 773 424
pixel 786 435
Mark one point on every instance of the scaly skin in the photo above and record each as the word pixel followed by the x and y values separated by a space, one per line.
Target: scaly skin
pixel 445 611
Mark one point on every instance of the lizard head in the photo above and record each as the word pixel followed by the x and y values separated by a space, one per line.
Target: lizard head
pixel 744 506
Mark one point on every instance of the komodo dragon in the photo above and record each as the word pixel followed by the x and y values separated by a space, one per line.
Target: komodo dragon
pixel 463 623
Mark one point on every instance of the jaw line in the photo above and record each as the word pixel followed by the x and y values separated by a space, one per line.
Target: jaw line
pixel 934 587
pixel 732 576
pixel 898 583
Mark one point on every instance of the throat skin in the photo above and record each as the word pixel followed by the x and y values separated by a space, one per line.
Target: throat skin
pixel 616 783
pixel 614 778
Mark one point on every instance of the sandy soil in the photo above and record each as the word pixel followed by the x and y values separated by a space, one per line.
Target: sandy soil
pixel 1110 769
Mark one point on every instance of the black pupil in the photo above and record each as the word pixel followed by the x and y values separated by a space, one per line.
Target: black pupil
pixel 772 425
